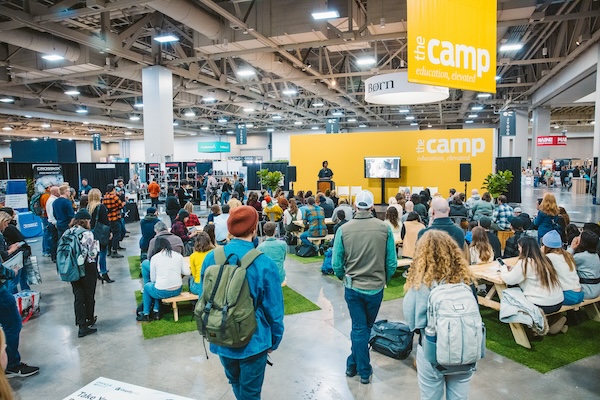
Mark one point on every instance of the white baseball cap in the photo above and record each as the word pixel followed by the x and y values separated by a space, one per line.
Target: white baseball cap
pixel 364 200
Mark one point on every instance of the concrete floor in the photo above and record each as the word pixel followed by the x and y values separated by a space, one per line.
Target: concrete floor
pixel 309 364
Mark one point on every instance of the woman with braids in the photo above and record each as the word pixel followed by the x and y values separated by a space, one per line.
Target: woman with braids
pixel 437 259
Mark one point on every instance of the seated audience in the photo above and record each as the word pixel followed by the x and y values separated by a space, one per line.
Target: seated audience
pixel 547 216
pixel 480 249
pixel 314 220
pixel 202 246
pixel 193 218
pixel 394 203
pixel 326 206
pixel 483 207
pixel 221 232
pixel 587 262
pixel 342 206
pixel 215 210
pixel 234 201
pixel 253 202
pixel 293 213
pixel 409 233
pixel 511 248
pixel 147 231
pixel 272 210
pixel 166 268
pixel 565 267
pixel 457 207
pixel 275 249
pixel 209 229
pixel 391 218
pixel 178 228
pixel 502 214
pixel 572 232
pixel 409 207
pixel 486 223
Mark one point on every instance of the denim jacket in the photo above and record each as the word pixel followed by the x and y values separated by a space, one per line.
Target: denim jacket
pixel 265 290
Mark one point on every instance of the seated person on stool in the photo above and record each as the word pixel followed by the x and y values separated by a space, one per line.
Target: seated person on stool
pixel 314 220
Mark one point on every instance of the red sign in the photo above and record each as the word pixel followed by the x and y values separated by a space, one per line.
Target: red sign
pixel 551 140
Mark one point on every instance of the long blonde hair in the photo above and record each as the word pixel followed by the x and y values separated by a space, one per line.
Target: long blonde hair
pixel 94 199
pixel 438 258
pixel 5 389
pixel 548 205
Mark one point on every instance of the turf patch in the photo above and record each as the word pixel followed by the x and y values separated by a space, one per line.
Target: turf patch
pixel 293 302
pixel 552 352
pixel 134 266
pixel 307 260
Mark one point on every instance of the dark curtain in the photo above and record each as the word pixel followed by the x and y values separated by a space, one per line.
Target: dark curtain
pixel 3 170
pixel 100 177
pixel 25 170
pixel 512 164
pixel 71 175
pixel 252 180
pixel 203 167
pixel 20 170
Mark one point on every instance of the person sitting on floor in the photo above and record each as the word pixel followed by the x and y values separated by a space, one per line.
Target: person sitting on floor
pixel 166 268
pixel 193 218
pixel 480 249
pixel 202 246
pixel 275 249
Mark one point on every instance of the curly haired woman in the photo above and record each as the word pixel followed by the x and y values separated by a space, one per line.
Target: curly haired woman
pixel 437 258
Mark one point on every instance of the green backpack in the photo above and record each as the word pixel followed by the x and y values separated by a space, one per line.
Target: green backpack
pixel 225 312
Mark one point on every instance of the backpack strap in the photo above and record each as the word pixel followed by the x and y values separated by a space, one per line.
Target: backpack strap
pixel 249 258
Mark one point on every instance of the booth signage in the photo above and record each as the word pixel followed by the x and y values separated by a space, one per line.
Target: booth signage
pixel 551 141
pixel 47 174
pixel 508 124
pixel 241 134
pixel 97 142
pixel 214 147
pixel 332 125
pixel 446 53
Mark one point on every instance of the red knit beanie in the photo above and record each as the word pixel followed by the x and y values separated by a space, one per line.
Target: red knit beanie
pixel 242 221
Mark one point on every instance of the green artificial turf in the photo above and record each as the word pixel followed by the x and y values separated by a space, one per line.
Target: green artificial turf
pixel 307 260
pixel 294 303
pixel 134 266
pixel 394 289
pixel 554 351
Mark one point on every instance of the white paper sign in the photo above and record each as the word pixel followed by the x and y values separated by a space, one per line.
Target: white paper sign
pixel 109 389
pixel 16 201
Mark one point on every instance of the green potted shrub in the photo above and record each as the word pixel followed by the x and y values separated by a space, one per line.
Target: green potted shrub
pixel 269 179
pixel 497 184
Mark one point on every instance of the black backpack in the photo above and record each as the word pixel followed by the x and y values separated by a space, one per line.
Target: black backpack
pixel 305 250
pixel 393 339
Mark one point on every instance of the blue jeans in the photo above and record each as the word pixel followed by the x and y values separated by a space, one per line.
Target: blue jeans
pixel 195 288
pixel 20 278
pixel 224 197
pixel 304 238
pixel 152 293
pixel 432 382
pixel 123 230
pixel 11 323
pixel 246 375
pixel 102 260
pixel 146 271
pixel 363 310
pixel 572 297
pixel 46 238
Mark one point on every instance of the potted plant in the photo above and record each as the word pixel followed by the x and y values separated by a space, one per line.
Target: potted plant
pixel 497 184
pixel 269 179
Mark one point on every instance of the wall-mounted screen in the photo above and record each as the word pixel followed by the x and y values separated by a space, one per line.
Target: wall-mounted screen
pixel 382 167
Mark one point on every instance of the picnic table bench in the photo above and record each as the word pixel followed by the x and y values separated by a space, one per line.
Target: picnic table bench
pixel 183 296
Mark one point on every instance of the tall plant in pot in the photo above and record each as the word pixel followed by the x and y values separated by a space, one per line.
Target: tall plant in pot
pixel 497 184
pixel 270 179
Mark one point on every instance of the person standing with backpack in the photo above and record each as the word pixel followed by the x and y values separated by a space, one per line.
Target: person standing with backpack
pixel 438 259
pixel 245 365
pixel 63 209
pixel 84 289
pixel 364 257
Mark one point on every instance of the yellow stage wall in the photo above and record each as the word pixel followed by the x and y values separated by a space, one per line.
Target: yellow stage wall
pixel 429 158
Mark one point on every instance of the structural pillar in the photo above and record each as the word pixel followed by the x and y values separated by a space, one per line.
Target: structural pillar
pixel 541 127
pixel 521 140
pixel 596 152
pixel 157 90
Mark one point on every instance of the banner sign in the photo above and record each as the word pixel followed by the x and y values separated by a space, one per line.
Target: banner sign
pixel 97 142
pixel 109 389
pixel 452 43
pixel 332 125
pixel 241 134
pixel 47 174
pixel 551 141
pixel 214 147
pixel 508 124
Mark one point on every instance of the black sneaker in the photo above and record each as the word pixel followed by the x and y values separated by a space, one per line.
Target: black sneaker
pixel 22 371
pixel 142 317
pixel 365 381
pixel 120 248
pixel 116 255
pixel 86 331
pixel 350 372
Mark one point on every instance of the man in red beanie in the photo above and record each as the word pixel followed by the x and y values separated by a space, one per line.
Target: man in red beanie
pixel 245 366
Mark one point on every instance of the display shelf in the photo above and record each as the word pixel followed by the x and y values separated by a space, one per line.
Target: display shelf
pixel 173 173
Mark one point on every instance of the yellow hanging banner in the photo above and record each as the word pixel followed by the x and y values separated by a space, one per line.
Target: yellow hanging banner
pixel 452 43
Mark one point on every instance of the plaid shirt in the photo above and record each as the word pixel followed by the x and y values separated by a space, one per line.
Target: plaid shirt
pixel 314 218
pixel 114 205
pixel 502 215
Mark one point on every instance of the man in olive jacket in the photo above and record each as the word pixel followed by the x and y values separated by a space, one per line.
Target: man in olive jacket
pixel 364 257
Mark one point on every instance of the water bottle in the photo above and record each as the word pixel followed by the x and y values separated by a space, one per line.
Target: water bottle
pixel 429 345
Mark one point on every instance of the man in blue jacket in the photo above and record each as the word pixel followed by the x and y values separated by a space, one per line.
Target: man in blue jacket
pixel 245 366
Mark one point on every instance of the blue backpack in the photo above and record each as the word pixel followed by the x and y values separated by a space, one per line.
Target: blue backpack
pixel 70 261
pixel 327 268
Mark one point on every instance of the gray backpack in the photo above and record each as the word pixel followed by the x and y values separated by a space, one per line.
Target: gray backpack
pixel 455 335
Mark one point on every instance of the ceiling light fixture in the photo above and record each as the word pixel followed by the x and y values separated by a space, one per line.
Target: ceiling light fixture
pixel 86 123
pixel 134 117
pixel 277 117
pixel 204 128
pixel 139 104
pixel 366 61
pixel 128 133
pixel 473 115
pixel 297 122
pixel 337 113
pixel 72 92
pixel 593 123
pixel 7 140
pixel 469 122
pixel 81 110
pixel 414 124
pixel 245 72
pixel 314 128
pixel 270 130
pixel 249 125
pixel 318 104
pixel 511 47
pixel 362 126
pixel 166 38
pixel 429 125
pixel 351 120
pixel 382 23
pixel 7 128
pixel 498 77
pixel 34 139
pixel 27 116
pixel 289 92
pixel 484 95
pixel 45 125
pixel 229 132
pixel 52 57
pixel 477 108
pixel 189 113
pixel 556 126
pixel 7 99
pixel 222 120
pixel 404 111
pixel 175 123
pixel 326 14
pixel 210 97
pixel 410 118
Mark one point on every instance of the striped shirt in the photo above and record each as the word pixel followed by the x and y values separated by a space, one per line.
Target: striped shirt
pixel 114 206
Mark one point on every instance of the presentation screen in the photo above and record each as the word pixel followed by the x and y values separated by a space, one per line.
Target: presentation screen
pixel 382 167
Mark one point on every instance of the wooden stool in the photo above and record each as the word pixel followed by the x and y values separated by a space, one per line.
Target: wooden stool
pixel 184 296
pixel 503 236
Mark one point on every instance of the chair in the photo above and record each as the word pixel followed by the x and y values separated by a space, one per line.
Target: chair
pixel 402 189
pixel 343 191
pixel 433 190
pixel 417 189
pixel 354 190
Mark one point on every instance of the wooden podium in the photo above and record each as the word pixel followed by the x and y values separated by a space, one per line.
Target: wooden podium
pixel 324 184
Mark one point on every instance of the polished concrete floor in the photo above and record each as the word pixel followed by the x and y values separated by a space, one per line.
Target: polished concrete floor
pixel 309 364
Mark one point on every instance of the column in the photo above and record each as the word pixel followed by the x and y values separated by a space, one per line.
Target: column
pixel 157 90
pixel 596 152
pixel 520 142
pixel 541 127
